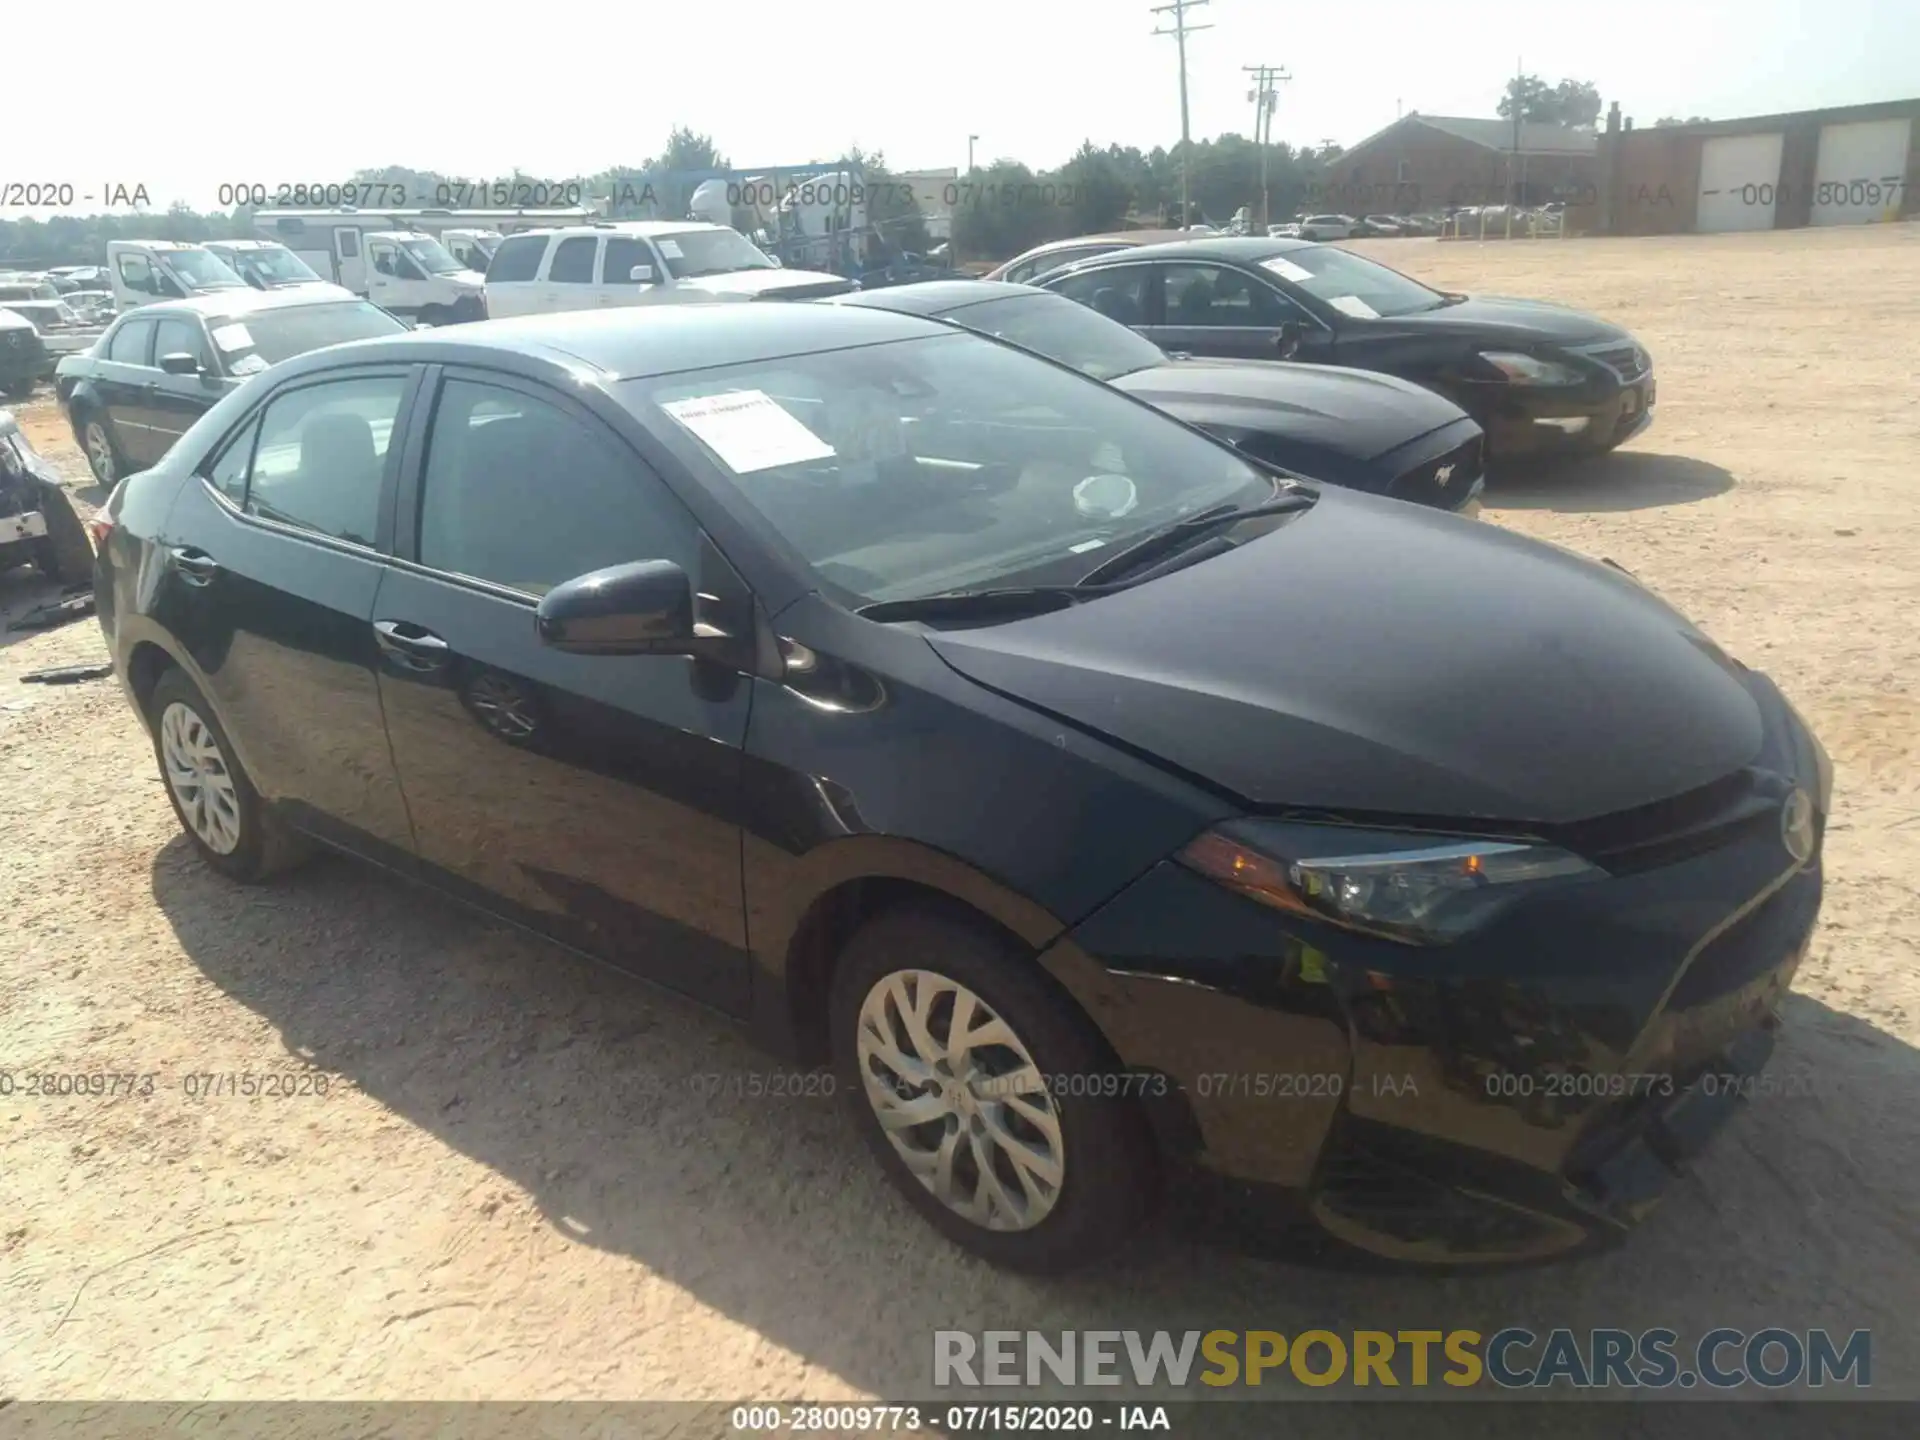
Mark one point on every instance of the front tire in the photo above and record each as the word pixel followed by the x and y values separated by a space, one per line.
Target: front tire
pixel 984 1094
pixel 20 389
pixel 217 806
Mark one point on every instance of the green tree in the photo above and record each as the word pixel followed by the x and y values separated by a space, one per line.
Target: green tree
pixel 1571 102
pixel 1668 120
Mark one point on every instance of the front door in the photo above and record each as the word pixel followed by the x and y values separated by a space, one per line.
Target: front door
pixel 349 259
pixel 176 401
pixel 569 280
pixel 1208 309
pixel 124 380
pixel 270 578
pixel 592 797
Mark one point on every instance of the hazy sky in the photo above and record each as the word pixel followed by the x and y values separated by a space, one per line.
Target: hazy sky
pixel 181 99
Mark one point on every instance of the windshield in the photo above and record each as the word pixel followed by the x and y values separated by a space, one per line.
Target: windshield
pixel 920 466
pixel 1352 285
pixel 484 245
pixel 267 337
pixel 202 269
pixel 1065 331
pixel 692 253
pixel 273 265
pixel 431 256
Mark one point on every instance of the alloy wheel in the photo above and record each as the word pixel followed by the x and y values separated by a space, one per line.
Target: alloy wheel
pixel 960 1099
pixel 200 779
pixel 99 452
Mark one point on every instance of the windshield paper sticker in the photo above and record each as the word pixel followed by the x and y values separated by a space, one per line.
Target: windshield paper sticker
pixel 670 249
pixel 1353 305
pixel 232 337
pixel 1287 270
pixel 749 430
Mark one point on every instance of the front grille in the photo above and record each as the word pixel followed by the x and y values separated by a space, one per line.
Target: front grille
pixel 1422 483
pixel 1672 830
pixel 1629 362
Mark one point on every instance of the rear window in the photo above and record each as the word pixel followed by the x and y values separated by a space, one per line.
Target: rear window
pixel 518 258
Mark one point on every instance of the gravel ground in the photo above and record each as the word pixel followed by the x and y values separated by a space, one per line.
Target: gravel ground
pixel 516 1188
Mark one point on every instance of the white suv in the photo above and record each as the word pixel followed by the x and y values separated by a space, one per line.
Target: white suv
pixel 639 262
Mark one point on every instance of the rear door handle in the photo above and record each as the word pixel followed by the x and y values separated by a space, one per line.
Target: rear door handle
pixel 196 567
pixel 412 645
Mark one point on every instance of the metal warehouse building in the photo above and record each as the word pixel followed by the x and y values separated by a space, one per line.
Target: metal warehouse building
pixel 1849 166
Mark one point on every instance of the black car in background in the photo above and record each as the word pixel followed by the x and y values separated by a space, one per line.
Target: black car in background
pixel 1350 427
pixel 159 368
pixel 1114 814
pixel 1541 379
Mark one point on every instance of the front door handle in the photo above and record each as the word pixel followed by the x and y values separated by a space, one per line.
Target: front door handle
pixel 412 645
pixel 196 567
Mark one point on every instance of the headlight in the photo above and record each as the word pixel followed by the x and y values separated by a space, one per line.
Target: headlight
pixel 1426 895
pixel 1523 369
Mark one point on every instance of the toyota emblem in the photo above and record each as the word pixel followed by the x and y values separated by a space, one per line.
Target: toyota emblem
pixel 1443 475
pixel 1796 826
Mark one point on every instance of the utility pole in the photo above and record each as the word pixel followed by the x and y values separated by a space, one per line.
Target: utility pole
pixel 1264 98
pixel 1181 29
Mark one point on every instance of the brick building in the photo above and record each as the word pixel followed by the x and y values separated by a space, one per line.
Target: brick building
pixel 1852 165
pixel 1432 162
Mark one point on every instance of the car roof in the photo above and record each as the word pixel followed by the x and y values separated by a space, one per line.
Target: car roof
pixel 627 227
pixel 232 304
pixel 244 244
pixel 1234 249
pixel 936 297
pixel 646 340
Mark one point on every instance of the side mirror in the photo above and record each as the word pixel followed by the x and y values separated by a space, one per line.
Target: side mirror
pixel 180 363
pixel 642 273
pixel 641 608
pixel 1288 340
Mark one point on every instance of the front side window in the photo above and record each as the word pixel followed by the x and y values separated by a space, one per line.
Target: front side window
pixel 321 456
pixel 137 273
pixel 904 469
pixel 129 343
pixel 178 335
pixel 624 254
pixel 526 494
pixel 228 473
pixel 1217 296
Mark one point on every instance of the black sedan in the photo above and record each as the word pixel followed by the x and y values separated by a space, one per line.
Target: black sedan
pixel 1119 817
pixel 1542 380
pixel 159 368
pixel 1350 427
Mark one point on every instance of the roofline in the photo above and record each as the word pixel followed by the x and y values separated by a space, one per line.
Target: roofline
pixel 1422 120
pixel 1832 115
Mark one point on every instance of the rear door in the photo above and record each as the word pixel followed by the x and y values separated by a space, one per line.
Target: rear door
pixel 122 379
pixel 1127 293
pixel 270 580
pixel 176 401
pixel 568 282
pixel 592 797
pixel 513 276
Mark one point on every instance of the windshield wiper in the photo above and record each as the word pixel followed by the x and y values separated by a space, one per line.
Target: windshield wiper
pixel 977 604
pixel 1177 535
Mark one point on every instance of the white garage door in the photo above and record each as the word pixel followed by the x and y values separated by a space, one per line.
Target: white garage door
pixel 1857 178
pixel 1738 177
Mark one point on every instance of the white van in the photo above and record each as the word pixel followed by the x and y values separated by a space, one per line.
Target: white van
pixel 641 262
pixel 406 272
pixel 265 264
pixel 472 248
pixel 143 271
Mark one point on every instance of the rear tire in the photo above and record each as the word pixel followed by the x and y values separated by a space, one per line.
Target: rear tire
pixel 65 554
pixel 103 451
pixel 218 808
pixel 1072 1174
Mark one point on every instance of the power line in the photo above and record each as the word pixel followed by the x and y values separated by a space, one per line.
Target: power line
pixel 1264 98
pixel 1181 29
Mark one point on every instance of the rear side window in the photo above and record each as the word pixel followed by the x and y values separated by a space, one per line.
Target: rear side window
pixel 518 258
pixel 349 244
pixel 623 254
pixel 1119 294
pixel 229 472
pixel 573 261
pixel 129 343
pixel 321 456
pixel 525 494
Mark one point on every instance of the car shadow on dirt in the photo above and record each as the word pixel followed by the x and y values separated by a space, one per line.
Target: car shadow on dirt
pixel 1623 480
pixel 632 1120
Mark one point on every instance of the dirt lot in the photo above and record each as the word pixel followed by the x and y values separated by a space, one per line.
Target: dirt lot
pixel 512 1189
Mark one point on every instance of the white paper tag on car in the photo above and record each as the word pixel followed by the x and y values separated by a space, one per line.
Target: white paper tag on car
pixel 1353 305
pixel 748 430
pixel 232 337
pixel 1287 270
pixel 669 248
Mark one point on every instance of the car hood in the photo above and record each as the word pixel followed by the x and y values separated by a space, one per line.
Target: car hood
pixel 794 284
pixel 1349 412
pixel 1370 656
pixel 1525 321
